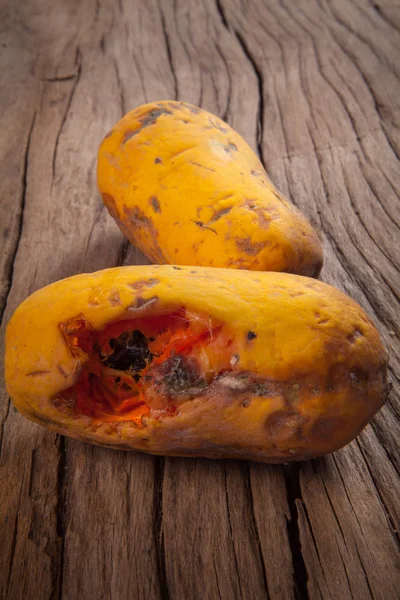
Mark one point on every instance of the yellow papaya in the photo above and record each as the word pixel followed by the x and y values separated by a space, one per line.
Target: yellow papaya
pixel 186 189
pixel 197 362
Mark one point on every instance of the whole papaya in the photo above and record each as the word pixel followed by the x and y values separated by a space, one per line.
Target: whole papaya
pixel 197 362
pixel 185 188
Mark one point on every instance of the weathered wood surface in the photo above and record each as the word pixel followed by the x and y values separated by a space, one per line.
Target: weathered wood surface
pixel 314 87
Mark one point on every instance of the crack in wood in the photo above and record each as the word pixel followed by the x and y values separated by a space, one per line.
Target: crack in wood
pixel 24 186
pixel 256 532
pixel 230 529
pixel 2 424
pixel 356 211
pixel 260 83
pixel 122 253
pixel 57 568
pixel 365 573
pixel 78 61
pixel 225 113
pixel 293 489
pixel 353 58
pixel 120 89
pixel 216 579
pixel 169 52
pixel 159 468
pixel 12 553
pixel 386 510
pixel 221 13
pixel 57 79
pixel 379 11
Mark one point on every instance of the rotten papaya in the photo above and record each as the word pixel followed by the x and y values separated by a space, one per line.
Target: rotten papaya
pixel 185 188
pixel 197 362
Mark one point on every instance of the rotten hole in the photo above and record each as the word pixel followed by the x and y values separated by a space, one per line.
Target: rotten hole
pixel 152 365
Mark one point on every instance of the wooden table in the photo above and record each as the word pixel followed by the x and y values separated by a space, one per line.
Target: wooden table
pixel 313 86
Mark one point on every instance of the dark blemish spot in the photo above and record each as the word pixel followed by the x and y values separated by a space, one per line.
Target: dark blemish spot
pixel 138 285
pixel 155 204
pixel 193 272
pixel 128 135
pixel 114 299
pixel 177 268
pixel 201 224
pixel 157 161
pixel 142 303
pixel 230 147
pixel 37 373
pixel 267 389
pixel 220 213
pixel 355 377
pixel 251 248
pixel 251 335
pixel 192 162
pixel 153 115
pixel 130 353
pixel 246 403
pixel 317 315
pixel 180 376
pixel 149 119
pixel 117 379
pixel 353 336
pixel 218 125
pixel 323 321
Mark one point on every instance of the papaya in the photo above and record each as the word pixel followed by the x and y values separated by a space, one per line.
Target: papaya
pixel 196 361
pixel 186 189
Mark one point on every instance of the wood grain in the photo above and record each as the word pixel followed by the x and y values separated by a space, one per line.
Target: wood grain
pixel 314 87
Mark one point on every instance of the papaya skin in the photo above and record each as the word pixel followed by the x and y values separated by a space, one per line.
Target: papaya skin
pixel 185 188
pixel 319 359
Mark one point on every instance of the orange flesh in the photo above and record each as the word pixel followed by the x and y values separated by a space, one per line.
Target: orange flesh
pixel 183 353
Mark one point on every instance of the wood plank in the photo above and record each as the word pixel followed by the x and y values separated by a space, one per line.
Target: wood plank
pixel 314 88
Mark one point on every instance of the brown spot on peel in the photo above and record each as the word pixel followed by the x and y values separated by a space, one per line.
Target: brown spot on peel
pixel 37 373
pixel 219 213
pixel 251 248
pixel 155 204
pixel 138 285
pixel 114 299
